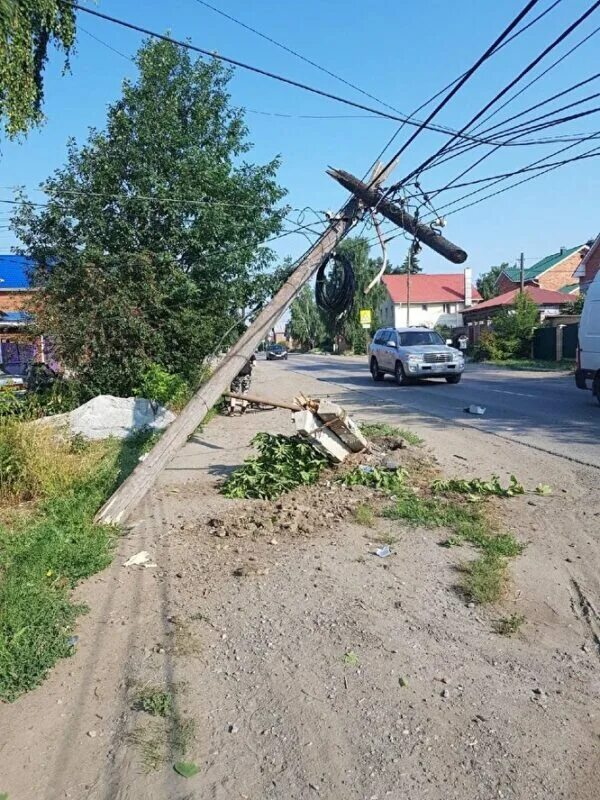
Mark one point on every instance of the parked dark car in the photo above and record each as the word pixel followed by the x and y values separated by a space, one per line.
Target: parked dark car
pixel 277 352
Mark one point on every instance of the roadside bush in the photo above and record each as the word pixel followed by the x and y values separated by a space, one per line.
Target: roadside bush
pixel 163 388
pixel 512 334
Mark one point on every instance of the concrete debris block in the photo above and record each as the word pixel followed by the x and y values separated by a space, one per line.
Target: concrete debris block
pixel 105 416
pixel 141 559
pixel 338 421
pixel 474 409
pixel 320 436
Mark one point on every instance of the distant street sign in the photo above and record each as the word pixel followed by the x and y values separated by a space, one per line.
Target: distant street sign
pixel 365 317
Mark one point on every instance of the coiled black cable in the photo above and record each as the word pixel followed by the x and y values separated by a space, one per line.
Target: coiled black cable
pixel 334 293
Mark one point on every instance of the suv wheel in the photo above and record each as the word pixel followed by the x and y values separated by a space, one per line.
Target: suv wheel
pixel 400 375
pixel 375 371
pixel 453 378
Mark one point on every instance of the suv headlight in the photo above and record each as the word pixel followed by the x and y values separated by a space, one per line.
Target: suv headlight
pixel 415 359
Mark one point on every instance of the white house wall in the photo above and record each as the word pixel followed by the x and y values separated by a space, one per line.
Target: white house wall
pixel 428 317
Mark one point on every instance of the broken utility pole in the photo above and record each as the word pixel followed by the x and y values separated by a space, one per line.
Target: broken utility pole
pixel 371 197
pixel 143 477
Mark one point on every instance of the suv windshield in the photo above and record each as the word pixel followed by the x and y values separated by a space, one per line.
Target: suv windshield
pixel 412 338
pixel 277 348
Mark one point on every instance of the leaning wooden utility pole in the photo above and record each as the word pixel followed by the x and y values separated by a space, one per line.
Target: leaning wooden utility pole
pixel 141 480
pixel 371 196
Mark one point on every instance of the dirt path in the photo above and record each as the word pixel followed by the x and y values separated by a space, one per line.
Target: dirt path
pixel 286 678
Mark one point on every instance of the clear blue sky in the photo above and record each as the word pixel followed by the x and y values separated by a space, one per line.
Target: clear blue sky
pixel 402 52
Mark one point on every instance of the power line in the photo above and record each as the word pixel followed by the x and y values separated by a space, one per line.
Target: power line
pixel 513 185
pixel 506 89
pixel 282 79
pixel 461 82
pixel 520 133
pixel 297 55
pixel 533 164
pixel 463 148
pixel 449 86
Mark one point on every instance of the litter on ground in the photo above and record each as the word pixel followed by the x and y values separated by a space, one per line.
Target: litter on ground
pixel 141 559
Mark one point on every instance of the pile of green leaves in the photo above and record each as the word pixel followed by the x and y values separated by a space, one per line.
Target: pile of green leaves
pixel 387 480
pixel 477 488
pixel 284 463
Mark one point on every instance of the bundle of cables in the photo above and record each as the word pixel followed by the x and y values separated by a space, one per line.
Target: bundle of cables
pixel 334 293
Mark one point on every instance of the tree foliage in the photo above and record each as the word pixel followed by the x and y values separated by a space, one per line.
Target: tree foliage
pixel 151 244
pixel 306 326
pixel 412 259
pixel 27 29
pixel 365 268
pixel 486 283
pixel 513 330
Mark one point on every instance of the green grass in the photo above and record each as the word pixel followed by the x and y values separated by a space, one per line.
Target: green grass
pixel 364 515
pixel 154 701
pixel 483 578
pixel 374 429
pixel 43 555
pixel 534 365
pixel 391 481
pixel 509 625
pixel 351 659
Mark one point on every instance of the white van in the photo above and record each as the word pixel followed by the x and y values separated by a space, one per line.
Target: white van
pixel 587 375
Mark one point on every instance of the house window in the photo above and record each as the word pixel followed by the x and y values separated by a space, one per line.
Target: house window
pixel 424 307
pixel 449 308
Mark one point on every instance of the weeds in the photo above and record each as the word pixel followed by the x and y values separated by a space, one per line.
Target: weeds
pixel 386 480
pixel 284 463
pixel 37 463
pixel 374 429
pixel 484 578
pixel 351 659
pixel 364 515
pixel 43 556
pixel 153 700
pixel 476 487
pixel 509 625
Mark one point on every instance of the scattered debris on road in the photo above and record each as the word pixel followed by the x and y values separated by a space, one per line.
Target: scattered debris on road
pixel 473 409
pixel 141 559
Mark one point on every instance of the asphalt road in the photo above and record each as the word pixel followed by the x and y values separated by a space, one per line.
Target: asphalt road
pixel 542 410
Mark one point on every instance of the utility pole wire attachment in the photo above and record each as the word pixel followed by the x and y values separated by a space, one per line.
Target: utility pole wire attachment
pixel 378 277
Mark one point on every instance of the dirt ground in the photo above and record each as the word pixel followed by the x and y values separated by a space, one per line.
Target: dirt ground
pixel 305 667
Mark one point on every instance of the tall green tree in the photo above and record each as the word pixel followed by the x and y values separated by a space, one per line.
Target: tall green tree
pixel 168 182
pixel 28 28
pixel 486 283
pixel 306 326
pixel 411 258
pixel 348 327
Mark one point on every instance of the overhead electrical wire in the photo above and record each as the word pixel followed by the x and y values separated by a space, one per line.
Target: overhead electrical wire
pixel 532 164
pixel 465 148
pixel 565 33
pixel 282 79
pixel 449 86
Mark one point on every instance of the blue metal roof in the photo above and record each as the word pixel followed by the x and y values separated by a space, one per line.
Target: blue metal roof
pixel 21 317
pixel 13 272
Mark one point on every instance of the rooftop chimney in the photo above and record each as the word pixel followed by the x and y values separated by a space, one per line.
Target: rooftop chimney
pixel 468 287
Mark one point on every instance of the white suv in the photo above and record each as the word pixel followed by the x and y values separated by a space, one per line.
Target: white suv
pixel 410 354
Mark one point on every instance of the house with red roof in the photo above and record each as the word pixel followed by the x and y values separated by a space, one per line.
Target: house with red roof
pixel 548 302
pixel 427 300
